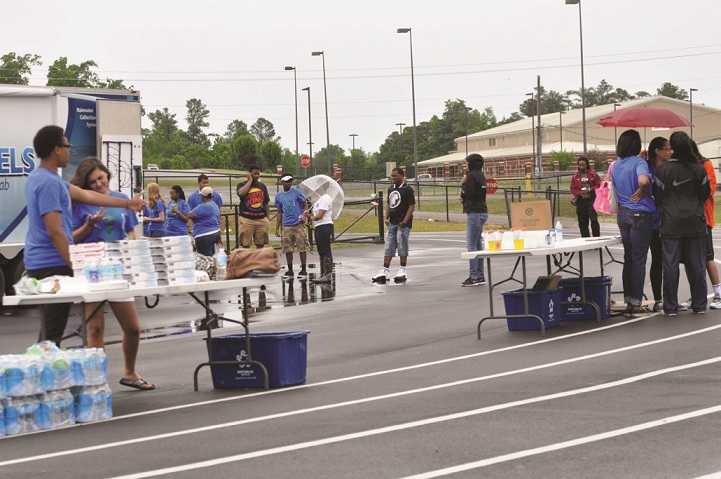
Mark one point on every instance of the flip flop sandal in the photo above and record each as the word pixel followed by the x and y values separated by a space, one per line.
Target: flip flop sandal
pixel 140 384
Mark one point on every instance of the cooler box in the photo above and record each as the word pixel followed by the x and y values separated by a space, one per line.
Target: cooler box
pixel 598 290
pixel 542 303
pixel 284 354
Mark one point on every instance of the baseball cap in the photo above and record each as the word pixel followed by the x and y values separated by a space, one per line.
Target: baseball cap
pixel 287 178
pixel 207 191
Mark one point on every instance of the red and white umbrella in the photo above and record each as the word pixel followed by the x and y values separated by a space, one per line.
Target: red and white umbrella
pixel 640 117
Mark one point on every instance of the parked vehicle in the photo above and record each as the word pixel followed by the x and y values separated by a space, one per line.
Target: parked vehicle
pixel 98 122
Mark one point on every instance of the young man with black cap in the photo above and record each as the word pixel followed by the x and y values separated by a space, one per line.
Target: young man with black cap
pixel 290 227
pixel 254 199
pixel 399 218
pixel 473 196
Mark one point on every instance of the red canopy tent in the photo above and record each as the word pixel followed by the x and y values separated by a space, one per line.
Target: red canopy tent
pixel 640 117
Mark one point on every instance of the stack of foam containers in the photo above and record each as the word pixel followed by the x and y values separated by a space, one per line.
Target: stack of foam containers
pixel 138 268
pixel 174 260
pixel 48 388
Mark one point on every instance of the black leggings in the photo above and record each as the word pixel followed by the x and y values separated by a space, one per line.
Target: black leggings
pixel 323 235
pixel 656 265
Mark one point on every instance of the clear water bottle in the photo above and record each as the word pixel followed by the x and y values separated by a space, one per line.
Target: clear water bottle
pixel 12 416
pixel 221 264
pixel 2 415
pixel 62 409
pixel 103 403
pixel 559 231
pixel 83 403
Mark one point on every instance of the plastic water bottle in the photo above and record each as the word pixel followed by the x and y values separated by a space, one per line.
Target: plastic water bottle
pixel 103 403
pixel 62 408
pixel 95 367
pixel 559 231
pixel 2 415
pixel 83 403
pixel 92 272
pixel 12 416
pixel 221 264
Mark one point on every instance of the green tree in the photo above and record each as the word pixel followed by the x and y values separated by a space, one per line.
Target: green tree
pixel 642 94
pixel 327 156
pixel 263 130
pixel 515 116
pixel 164 123
pixel 290 162
pixel 236 127
pixel 111 84
pixel 244 151
pixel 270 154
pixel 672 91
pixel 551 102
pixel 565 159
pixel 603 94
pixel 15 69
pixel 197 116
pixel 62 73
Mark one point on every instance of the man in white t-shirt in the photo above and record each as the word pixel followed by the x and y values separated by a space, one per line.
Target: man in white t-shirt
pixel 322 216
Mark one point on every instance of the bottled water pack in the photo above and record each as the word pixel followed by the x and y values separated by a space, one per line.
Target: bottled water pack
pixel 93 403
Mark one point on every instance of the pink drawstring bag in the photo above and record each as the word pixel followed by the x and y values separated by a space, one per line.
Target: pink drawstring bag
pixel 605 201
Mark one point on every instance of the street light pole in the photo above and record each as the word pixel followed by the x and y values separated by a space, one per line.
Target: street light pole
pixel 533 128
pixel 325 99
pixel 353 135
pixel 583 80
pixel 690 97
pixel 560 127
pixel 413 99
pixel 310 133
pixel 295 92
pixel 400 127
pixel 615 129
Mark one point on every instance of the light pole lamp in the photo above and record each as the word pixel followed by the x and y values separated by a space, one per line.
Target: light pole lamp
pixel 353 135
pixel 409 31
pixel 400 127
pixel 310 131
pixel 295 93
pixel 690 98
pixel 533 127
pixel 583 80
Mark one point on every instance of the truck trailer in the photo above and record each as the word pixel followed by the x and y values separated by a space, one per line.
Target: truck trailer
pixel 101 123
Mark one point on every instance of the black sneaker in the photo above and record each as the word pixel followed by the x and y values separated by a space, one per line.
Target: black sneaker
pixel 303 274
pixel 288 274
pixel 470 282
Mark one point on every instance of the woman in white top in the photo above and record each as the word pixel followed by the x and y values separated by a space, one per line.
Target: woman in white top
pixel 322 216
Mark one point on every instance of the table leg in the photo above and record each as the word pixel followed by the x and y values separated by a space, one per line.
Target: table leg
pixel 212 317
pixel 82 330
pixel 584 300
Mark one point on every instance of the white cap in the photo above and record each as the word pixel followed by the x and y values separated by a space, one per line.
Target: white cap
pixel 207 191
pixel 287 178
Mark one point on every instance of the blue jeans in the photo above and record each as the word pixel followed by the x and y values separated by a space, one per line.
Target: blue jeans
pixel 474 241
pixel 636 231
pixel 397 239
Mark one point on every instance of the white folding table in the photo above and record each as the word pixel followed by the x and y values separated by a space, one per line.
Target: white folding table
pixel 193 289
pixel 559 258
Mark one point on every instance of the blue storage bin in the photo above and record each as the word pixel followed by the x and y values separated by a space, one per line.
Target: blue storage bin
pixel 284 354
pixel 543 303
pixel 598 290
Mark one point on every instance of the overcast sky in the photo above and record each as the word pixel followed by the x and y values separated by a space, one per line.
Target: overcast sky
pixel 231 54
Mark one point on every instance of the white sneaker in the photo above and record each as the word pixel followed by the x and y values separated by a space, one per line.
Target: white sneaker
pixel 715 303
pixel 684 306
pixel 400 276
pixel 382 276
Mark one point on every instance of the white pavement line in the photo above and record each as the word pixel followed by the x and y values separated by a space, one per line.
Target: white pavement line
pixel 713 475
pixel 415 424
pixel 382 372
pixel 326 407
pixel 565 444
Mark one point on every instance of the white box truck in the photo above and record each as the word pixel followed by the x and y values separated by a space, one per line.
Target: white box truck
pixel 97 122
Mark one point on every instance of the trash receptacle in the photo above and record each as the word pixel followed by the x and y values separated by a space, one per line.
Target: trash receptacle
pixel 284 354
pixel 598 290
pixel 542 303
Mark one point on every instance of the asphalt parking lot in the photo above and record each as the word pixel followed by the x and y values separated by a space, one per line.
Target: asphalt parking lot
pixel 399 386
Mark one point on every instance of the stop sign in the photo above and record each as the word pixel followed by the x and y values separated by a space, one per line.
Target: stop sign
pixel 491 185
pixel 305 161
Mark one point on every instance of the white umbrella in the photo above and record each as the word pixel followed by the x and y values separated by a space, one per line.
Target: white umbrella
pixel 316 186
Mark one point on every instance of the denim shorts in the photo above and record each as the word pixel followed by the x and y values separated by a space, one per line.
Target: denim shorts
pixel 397 239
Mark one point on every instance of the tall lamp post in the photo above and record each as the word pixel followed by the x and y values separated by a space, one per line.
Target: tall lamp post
pixel 310 133
pixel 560 127
pixel 690 98
pixel 615 129
pixel 413 99
pixel 583 80
pixel 353 135
pixel 533 129
pixel 295 92
pixel 325 99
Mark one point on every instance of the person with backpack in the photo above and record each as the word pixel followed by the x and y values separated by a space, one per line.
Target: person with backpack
pixel 681 188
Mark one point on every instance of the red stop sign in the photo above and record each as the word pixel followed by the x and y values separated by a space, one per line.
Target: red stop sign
pixel 305 161
pixel 491 185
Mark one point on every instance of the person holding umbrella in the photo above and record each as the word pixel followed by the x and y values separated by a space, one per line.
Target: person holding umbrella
pixel 583 188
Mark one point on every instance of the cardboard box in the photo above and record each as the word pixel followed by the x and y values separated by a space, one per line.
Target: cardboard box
pixel 531 215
